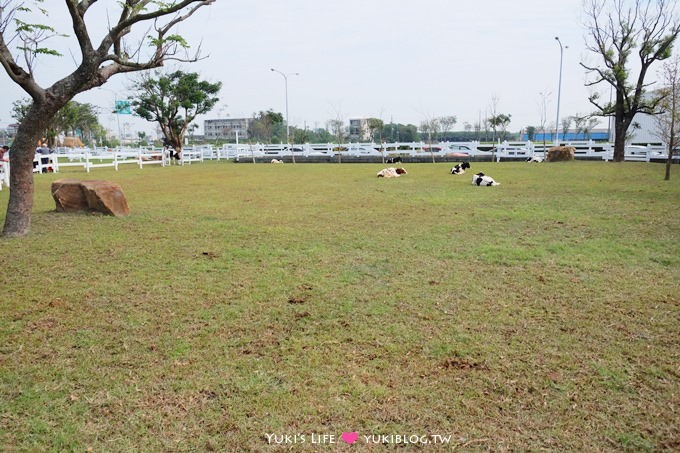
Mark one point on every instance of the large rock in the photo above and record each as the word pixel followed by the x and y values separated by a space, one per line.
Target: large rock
pixel 69 196
pixel 560 153
pixel 100 196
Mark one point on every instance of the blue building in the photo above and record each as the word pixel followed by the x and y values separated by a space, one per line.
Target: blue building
pixel 597 135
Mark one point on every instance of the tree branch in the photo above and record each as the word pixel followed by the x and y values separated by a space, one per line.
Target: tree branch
pixel 77 13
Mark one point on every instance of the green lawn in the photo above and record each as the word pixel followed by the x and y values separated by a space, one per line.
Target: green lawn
pixel 241 303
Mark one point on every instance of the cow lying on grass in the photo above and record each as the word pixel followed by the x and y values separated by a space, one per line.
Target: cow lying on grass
pixel 277 161
pixel 459 169
pixel 535 159
pixel 480 179
pixel 391 172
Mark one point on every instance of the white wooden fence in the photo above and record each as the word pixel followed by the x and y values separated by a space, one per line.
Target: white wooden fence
pixel 101 157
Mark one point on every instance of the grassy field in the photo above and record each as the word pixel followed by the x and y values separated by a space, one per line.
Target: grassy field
pixel 275 307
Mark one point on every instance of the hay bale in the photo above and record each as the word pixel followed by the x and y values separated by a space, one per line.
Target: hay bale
pixel 560 153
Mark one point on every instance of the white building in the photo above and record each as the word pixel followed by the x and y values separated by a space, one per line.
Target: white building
pixel 227 128
pixel 358 129
pixel 646 133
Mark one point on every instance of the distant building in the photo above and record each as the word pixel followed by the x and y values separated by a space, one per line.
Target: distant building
pixel 358 129
pixel 226 128
pixel 597 135
pixel 646 132
pixel 643 129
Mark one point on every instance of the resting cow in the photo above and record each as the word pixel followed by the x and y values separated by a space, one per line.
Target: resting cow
pixel 480 179
pixel 459 169
pixel 391 172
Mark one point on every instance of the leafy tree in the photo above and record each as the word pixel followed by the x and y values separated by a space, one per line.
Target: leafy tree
pixel 615 30
pixel 317 135
pixel 500 122
pixel 20 108
pixel 173 101
pixel 531 133
pixel 74 118
pixel 375 128
pixel 321 135
pixel 143 138
pixel 300 135
pixel 409 133
pixel 401 132
pixel 266 125
pixel 118 50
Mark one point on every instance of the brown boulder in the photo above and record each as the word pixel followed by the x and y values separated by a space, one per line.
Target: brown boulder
pixel 106 197
pixel 69 196
pixel 100 196
pixel 560 153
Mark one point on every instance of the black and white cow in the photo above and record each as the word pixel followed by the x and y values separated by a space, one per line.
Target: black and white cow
pixel 393 160
pixel 459 169
pixel 480 179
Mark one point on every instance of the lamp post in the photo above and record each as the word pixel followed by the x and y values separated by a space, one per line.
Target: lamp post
pixel 559 93
pixel 285 80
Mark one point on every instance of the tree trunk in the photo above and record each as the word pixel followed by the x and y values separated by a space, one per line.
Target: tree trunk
pixel 20 205
pixel 669 161
pixel 176 143
pixel 620 128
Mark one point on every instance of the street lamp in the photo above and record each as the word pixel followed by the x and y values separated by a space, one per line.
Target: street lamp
pixel 285 80
pixel 559 93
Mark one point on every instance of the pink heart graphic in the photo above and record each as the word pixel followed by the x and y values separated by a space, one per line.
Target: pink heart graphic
pixel 350 438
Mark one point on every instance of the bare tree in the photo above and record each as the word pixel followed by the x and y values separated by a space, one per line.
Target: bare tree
pixel 580 124
pixel 430 126
pixel 447 123
pixel 566 123
pixel 494 113
pixel 615 30
pixel 588 127
pixel 336 126
pixel 116 53
pixel 668 122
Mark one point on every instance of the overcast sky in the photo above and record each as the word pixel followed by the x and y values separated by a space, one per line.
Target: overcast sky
pixel 398 60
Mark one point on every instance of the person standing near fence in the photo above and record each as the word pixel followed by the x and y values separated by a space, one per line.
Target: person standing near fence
pixel 4 166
